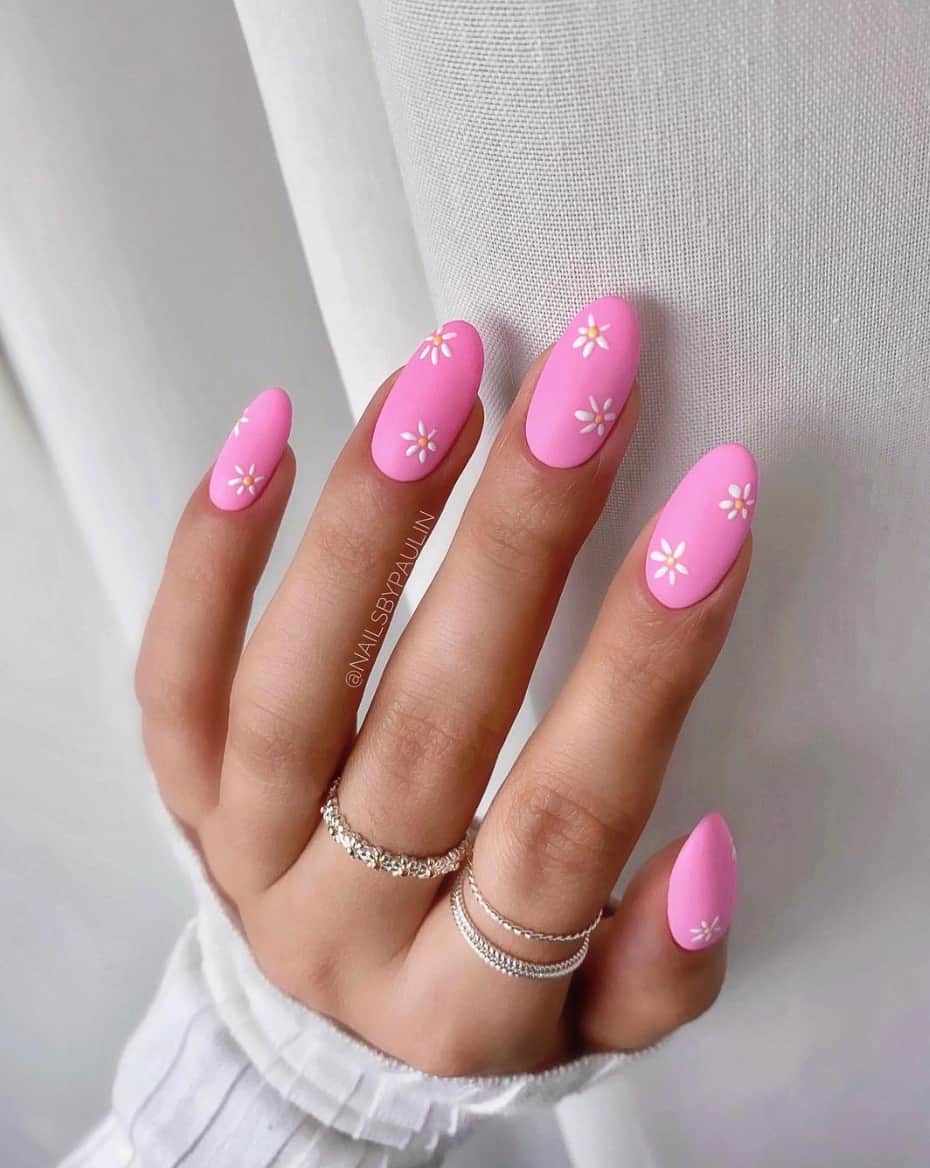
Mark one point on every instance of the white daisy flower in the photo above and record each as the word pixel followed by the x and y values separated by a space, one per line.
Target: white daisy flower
pixel 248 480
pixel 669 561
pixel 597 417
pixel 706 931
pixel 591 336
pixel 421 443
pixel 437 342
pixel 739 502
pixel 242 422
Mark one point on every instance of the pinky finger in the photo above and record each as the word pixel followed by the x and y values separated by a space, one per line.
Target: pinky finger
pixel 660 960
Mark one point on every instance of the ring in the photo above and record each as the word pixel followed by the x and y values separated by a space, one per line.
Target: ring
pixel 394 863
pixel 512 927
pixel 500 959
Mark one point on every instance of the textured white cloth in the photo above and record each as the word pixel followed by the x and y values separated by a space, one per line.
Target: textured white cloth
pixel 226 1070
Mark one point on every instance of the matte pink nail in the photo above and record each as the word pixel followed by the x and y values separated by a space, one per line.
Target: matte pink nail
pixel 702 527
pixel 252 451
pixel 429 402
pixel 704 885
pixel 584 384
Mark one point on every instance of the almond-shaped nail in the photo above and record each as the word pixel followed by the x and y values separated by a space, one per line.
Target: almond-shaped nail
pixel 704 885
pixel 702 527
pixel 584 384
pixel 252 451
pixel 429 403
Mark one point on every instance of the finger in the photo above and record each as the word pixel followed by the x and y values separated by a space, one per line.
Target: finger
pixel 659 961
pixel 570 813
pixel 297 691
pixel 195 630
pixel 457 677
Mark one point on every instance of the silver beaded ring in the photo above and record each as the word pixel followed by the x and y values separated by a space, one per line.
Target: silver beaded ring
pixel 519 930
pixel 500 959
pixel 373 856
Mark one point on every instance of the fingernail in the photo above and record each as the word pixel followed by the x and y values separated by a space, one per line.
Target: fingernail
pixel 584 384
pixel 429 402
pixel 702 527
pixel 252 451
pixel 703 886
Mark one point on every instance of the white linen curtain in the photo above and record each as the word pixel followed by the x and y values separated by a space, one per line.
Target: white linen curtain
pixel 756 177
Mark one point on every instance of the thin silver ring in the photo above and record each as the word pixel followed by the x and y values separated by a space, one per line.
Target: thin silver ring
pixel 500 959
pixel 520 930
pixel 373 856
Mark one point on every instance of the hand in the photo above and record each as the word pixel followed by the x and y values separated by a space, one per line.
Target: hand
pixel 245 744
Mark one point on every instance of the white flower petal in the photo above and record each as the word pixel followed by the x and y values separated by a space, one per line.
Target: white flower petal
pixel 588 349
pixel 592 402
pixel 665 546
pixel 425 353
pixel 434 356
pixel 657 556
pixel 591 321
pixel 408 436
pixel 605 327
pixel 601 341
pixel 724 504
pixel 671 576
pixel 679 551
pixel 681 568
pixel 587 429
pixel 412 449
pixel 579 341
pixel 734 490
pixel 241 489
pixel 733 515
pixel 608 403
pixel 611 417
pixel 600 429
pixel 232 482
pixel 446 351
pixel 747 491
pixel 660 572
pixel 421 429
pixel 584 415
pixel 448 336
pixel 431 446
pixel 432 433
pixel 238 469
pixel 423 455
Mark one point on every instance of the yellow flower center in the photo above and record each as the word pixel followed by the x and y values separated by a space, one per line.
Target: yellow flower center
pixel 437 338
pixel 739 504
pixel 247 480
pixel 423 441
pixel 670 560
pixel 598 418
pixel 592 331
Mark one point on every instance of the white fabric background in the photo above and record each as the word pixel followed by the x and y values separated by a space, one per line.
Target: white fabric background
pixel 755 177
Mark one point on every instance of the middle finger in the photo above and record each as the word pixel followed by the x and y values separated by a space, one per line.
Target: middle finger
pixel 458 676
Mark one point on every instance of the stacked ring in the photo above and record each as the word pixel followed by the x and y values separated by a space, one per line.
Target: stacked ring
pixel 500 959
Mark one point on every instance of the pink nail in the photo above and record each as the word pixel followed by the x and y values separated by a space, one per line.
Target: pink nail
pixel 252 451
pixel 702 527
pixel 429 402
pixel 703 886
pixel 584 384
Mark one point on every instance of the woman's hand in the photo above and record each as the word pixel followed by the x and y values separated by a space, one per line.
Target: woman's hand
pixel 245 744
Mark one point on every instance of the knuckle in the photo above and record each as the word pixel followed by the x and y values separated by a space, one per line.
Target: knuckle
pixel 344 548
pixel 524 537
pixel 261 735
pixel 415 733
pixel 557 829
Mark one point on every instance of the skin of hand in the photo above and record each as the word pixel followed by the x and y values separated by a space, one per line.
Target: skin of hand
pixel 245 740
